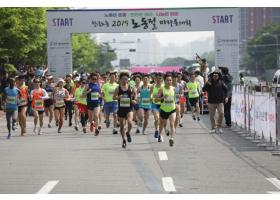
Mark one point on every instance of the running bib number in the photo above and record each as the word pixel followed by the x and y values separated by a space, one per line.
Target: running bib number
pixel 169 101
pixel 22 101
pixel 146 101
pixel 94 96
pixel 125 102
pixel 11 100
pixel 59 103
pixel 193 92
pixel 39 103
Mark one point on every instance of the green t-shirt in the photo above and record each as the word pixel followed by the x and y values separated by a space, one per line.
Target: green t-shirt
pixel 193 89
pixel 109 89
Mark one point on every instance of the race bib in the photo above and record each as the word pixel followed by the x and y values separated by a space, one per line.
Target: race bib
pixel 39 103
pixel 59 103
pixel 11 99
pixel 94 96
pixel 169 101
pixel 22 101
pixel 125 102
pixel 146 101
pixel 193 92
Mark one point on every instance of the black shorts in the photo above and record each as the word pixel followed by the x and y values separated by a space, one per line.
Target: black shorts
pixel 21 107
pixel 92 106
pixel 48 103
pixel 57 108
pixel 122 112
pixel 40 112
pixel 193 101
pixel 165 115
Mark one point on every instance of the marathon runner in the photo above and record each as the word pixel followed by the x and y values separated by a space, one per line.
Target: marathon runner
pixel 193 90
pixel 48 102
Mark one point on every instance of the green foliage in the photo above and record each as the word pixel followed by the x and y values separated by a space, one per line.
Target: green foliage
pixel 23 35
pixel 9 68
pixel 87 54
pixel 262 49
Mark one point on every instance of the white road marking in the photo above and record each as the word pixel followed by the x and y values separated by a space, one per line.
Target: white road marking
pixel 168 184
pixel 275 182
pixel 273 192
pixel 162 155
pixel 47 188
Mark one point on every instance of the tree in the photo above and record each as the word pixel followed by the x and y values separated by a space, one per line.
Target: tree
pixel 23 35
pixel 177 61
pixel 88 55
pixel 262 49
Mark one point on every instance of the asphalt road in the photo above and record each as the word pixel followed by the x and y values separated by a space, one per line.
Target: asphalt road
pixel 73 162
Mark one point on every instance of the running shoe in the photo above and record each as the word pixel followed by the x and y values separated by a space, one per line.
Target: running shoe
pixel 70 124
pixel 198 119
pixel 99 127
pixel 34 130
pixel 193 117
pixel 220 131
pixel 159 138
pixel 91 127
pixel 96 132
pixel 84 130
pixel 171 142
pixel 212 131
pixel 49 125
pixel 181 125
pixel 76 128
pixel 59 130
pixel 13 127
pixel 128 137
pixel 124 144
pixel 156 134
pixel 9 136
pixel 137 130
pixel 56 123
pixel 115 131
pixel 39 131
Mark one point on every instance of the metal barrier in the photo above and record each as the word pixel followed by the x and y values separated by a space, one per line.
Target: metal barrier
pixel 254 115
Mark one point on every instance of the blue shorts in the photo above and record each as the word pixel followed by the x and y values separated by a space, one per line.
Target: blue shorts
pixel 136 107
pixel 110 107
pixel 155 107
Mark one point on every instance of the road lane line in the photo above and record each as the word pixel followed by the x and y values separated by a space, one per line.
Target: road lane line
pixel 274 181
pixel 47 188
pixel 273 192
pixel 162 155
pixel 168 184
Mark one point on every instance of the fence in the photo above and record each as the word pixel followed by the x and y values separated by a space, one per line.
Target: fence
pixel 256 112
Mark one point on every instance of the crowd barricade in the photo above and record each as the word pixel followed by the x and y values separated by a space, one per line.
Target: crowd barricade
pixel 256 112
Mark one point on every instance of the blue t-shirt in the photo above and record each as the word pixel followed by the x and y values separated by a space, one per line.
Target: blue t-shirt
pixel 39 73
pixel 94 95
pixel 11 98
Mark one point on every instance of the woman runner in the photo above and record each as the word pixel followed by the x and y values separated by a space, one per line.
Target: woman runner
pixel 38 95
pixel 59 94
pixel 22 106
pixel 125 95
pixel 93 92
pixel 136 113
pixel 81 102
pixel 48 102
pixel 145 102
pixel 178 94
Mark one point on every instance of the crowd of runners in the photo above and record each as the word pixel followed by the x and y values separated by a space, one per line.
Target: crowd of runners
pixel 91 102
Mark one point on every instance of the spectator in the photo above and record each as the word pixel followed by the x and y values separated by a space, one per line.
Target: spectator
pixel 217 95
pixel 227 78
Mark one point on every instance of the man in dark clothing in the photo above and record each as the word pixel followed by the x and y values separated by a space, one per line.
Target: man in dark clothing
pixel 227 78
pixel 217 95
